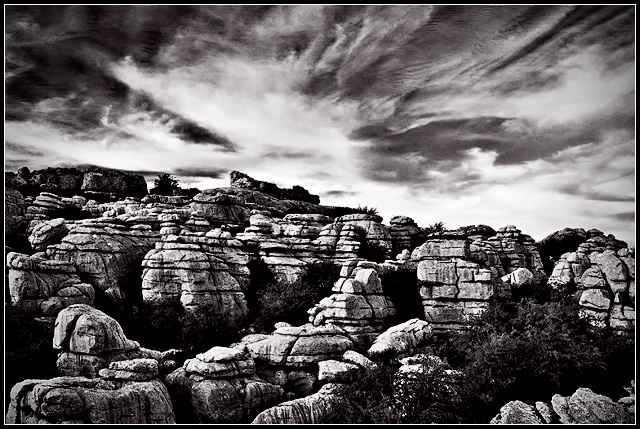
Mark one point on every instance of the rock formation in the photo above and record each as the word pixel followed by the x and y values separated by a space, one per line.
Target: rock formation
pixel 297 193
pixel 42 287
pixel 185 268
pixel 605 283
pixel 106 253
pixel 220 386
pixel 84 400
pixel 314 409
pixel 90 341
pixel 460 273
pixel 582 407
pixel 401 340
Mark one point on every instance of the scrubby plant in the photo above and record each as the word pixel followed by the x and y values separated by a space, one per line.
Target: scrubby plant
pixel 434 228
pixel 271 301
pixel 367 210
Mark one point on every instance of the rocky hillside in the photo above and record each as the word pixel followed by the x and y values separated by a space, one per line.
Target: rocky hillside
pixel 91 257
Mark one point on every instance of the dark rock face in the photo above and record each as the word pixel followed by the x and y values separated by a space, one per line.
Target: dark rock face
pixel 297 193
pixel 93 182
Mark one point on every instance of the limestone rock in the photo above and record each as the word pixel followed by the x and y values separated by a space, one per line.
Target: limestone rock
pixel 516 412
pixel 221 400
pixel 301 346
pixel 48 232
pixel 351 356
pixel 219 362
pixel 43 287
pixel 334 371
pixel 14 212
pixel 587 407
pixel 400 340
pixel 314 409
pixel 83 400
pixel 106 253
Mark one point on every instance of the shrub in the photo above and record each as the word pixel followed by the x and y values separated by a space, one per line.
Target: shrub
pixel 271 301
pixel 367 210
pixel 164 184
pixel 434 228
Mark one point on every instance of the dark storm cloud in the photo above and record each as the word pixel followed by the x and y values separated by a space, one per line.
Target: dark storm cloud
pixel 200 172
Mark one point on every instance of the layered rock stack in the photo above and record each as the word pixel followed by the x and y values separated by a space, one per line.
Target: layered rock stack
pixel 453 288
pixel 106 252
pixel 358 306
pixel 84 400
pixel 220 386
pixel 184 268
pixel 405 234
pixel 46 233
pixel 221 209
pixel 14 212
pixel 317 408
pixel 353 234
pixel 605 281
pixel 43 287
pixel 90 341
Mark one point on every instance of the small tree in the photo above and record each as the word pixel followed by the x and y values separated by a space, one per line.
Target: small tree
pixel 165 184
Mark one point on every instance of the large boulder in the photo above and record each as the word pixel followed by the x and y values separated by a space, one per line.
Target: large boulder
pixel 517 412
pixel 587 407
pixel 93 401
pixel 48 232
pixel 89 341
pixel 14 211
pixel 185 269
pixel 401 340
pixel 220 386
pixel 313 409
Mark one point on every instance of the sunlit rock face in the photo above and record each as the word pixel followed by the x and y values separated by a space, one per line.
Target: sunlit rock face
pixel 42 287
pixel 460 271
pixel 604 282
pixel 221 386
pixel 185 269
pixel 106 253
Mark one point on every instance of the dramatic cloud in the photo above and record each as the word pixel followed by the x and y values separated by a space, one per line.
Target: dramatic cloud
pixel 500 115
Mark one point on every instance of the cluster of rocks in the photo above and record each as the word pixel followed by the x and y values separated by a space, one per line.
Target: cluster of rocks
pixel 604 281
pixel 186 268
pixel 221 386
pixel 459 273
pixel 297 193
pixel 90 341
pixel 582 407
pixel 42 287
pixel 405 234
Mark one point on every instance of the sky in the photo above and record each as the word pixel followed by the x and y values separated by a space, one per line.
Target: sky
pixel 496 115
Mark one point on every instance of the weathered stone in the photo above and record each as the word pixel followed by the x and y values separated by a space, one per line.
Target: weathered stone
pixel 596 299
pixel 82 400
pixel 351 356
pixel 334 371
pixel 587 407
pixel 516 412
pixel 313 409
pixel 401 339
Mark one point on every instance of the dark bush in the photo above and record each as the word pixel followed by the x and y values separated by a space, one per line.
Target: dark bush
pixel 164 184
pixel 271 301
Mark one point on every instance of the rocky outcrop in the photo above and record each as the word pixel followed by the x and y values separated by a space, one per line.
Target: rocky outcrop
pixel 517 412
pixel 297 193
pixel 106 253
pixel 604 283
pixel 301 346
pixel 14 212
pixel 220 386
pixel 92 182
pixel 185 268
pixel 401 340
pixel 313 409
pixel 459 273
pixel 405 234
pixel 587 407
pixel 83 400
pixel 582 407
pixel 90 340
pixel 352 235
pixel 43 287
pixel 46 233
